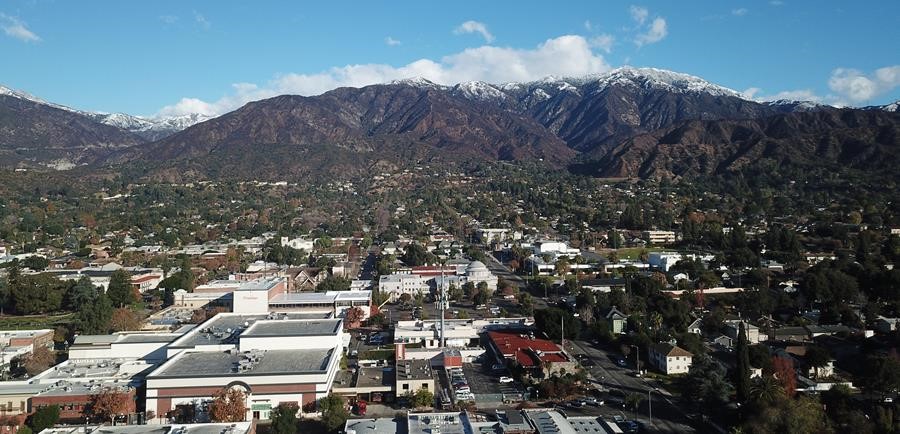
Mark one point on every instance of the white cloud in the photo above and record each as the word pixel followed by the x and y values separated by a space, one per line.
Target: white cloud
pixel 568 55
pixel 588 25
pixel 755 94
pixel 16 28
pixel 603 42
pixel 474 27
pixel 856 86
pixel 391 41
pixel 639 14
pixel 739 12
pixel 655 33
pixel 168 19
pixel 202 21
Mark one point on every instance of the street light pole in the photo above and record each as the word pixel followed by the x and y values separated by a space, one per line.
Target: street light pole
pixel 650 405
pixel 637 357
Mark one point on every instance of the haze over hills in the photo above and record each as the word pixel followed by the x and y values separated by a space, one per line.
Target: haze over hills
pixel 620 123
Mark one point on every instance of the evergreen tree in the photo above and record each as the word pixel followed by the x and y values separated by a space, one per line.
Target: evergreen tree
pixel 119 291
pixel 80 294
pixel 284 419
pixel 742 372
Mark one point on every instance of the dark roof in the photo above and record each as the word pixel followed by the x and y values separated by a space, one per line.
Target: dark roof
pixel 670 350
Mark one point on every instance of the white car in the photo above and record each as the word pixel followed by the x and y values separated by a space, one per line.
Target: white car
pixel 506 380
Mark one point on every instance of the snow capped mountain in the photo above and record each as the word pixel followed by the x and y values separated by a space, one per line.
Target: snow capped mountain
pixel 150 128
pixel 421 82
pixel 478 90
pixel 892 107
pixel 795 105
pixel 659 79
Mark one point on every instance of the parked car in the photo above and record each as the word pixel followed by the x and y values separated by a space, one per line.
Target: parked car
pixel 621 362
pixel 618 419
pixel 590 400
pixel 506 380
pixel 498 367
pixel 576 404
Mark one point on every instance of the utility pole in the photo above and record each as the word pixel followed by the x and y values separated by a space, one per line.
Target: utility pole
pixel 562 337
pixel 650 404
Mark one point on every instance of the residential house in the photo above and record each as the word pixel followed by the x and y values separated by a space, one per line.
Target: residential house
pixel 750 330
pixel 617 321
pixel 670 359
pixel 695 327
pixel 886 325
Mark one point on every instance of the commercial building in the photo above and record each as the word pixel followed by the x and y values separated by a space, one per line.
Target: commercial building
pixel 457 332
pixel 658 237
pixel 475 273
pixel 20 343
pixel 395 285
pixel 272 358
pixel 412 375
pixel 135 346
pixel 539 357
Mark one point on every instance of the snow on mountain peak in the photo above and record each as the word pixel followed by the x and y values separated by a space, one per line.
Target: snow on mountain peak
pixel 148 127
pixel 659 79
pixel 479 90
pixel 418 81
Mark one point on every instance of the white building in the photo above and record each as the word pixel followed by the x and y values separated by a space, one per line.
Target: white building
pixel 135 346
pixel 663 260
pixel 395 285
pixel 659 237
pixel 555 249
pixel 298 243
pixel 670 359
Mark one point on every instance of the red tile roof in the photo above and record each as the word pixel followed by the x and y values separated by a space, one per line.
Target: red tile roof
pixel 529 353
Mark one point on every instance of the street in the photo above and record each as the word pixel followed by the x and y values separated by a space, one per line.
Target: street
pixel 667 417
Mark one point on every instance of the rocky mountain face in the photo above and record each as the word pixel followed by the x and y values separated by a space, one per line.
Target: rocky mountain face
pixel 33 133
pixel 374 123
pixel 625 123
pixel 833 138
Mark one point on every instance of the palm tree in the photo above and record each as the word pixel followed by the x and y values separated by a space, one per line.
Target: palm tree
pixel 765 389
pixel 634 400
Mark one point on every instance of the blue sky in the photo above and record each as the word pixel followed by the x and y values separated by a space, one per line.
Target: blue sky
pixel 172 57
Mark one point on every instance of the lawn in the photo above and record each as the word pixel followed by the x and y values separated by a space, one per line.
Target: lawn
pixel 634 253
pixel 33 321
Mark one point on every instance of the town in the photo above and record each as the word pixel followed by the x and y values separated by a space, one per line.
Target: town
pixel 504 328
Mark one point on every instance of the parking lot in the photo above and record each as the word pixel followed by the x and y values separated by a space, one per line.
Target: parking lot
pixel 486 384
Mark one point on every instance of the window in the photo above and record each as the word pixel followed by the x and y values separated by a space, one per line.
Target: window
pixel 406 387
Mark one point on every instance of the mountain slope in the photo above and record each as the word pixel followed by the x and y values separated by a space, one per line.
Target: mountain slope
pixel 366 125
pixel 836 138
pixel 35 133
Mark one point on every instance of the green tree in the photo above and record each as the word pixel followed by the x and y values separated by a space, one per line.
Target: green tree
pixel 80 294
pixel 94 317
pixel 333 283
pixel 45 417
pixel 36 263
pixel 705 385
pixel 334 413
pixel 284 419
pixel 120 291
pixel 423 398
pixel 550 322
pixel 742 371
